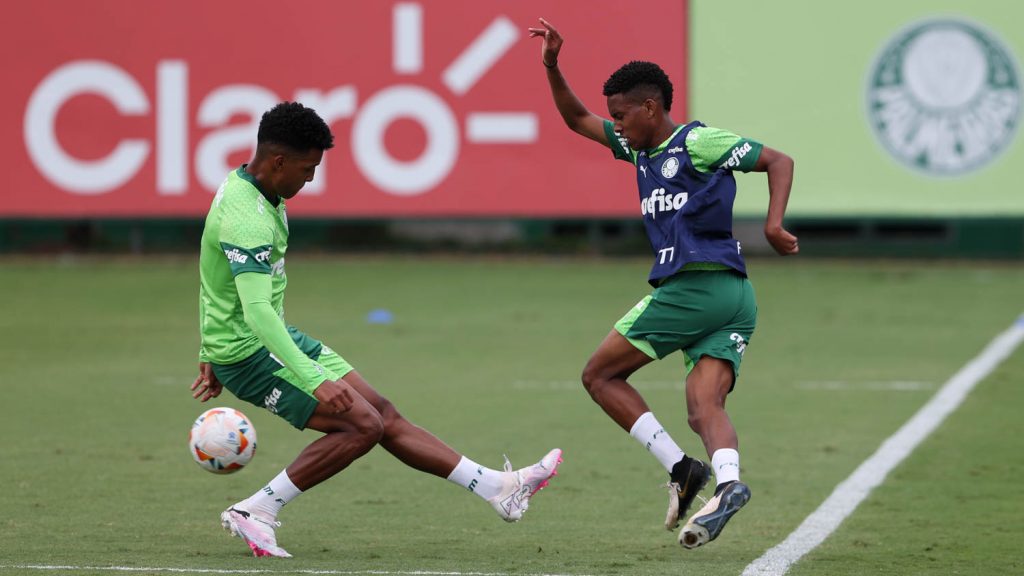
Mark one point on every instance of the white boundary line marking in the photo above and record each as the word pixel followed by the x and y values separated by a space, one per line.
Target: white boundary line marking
pixel 44 567
pixel 852 491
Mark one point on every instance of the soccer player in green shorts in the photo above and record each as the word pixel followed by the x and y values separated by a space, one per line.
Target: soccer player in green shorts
pixel 702 302
pixel 249 349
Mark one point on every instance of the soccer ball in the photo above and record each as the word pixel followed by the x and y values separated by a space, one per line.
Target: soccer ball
pixel 222 440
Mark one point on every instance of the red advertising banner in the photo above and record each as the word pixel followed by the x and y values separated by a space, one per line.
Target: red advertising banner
pixel 122 108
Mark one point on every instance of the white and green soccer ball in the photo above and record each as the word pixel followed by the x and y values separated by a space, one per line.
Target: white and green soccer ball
pixel 222 440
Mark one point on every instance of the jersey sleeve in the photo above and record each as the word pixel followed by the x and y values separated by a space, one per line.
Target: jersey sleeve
pixel 254 291
pixel 714 148
pixel 617 143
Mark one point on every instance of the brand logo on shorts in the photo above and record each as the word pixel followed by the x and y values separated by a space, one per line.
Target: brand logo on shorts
pixel 741 342
pixel 944 97
pixel 270 402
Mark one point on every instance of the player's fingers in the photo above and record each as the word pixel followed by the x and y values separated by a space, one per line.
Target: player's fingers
pixel 199 380
pixel 199 391
pixel 345 400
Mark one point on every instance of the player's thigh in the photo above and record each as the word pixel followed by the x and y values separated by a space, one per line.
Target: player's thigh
pixel 360 418
pixel 616 357
pixel 728 341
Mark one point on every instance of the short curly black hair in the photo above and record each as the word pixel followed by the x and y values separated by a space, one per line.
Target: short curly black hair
pixel 294 126
pixel 638 74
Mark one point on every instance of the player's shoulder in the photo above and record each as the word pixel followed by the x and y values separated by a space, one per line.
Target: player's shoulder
pixel 239 195
pixel 705 134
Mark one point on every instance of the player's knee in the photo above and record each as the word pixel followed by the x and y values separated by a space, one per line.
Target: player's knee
pixel 368 425
pixel 591 378
pixel 696 421
pixel 389 415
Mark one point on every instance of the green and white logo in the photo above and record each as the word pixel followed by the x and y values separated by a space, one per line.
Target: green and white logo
pixel 944 97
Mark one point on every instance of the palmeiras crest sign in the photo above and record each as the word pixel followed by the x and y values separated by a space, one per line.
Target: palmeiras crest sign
pixel 944 97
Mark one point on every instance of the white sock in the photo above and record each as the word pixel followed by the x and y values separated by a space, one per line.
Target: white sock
pixel 726 464
pixel 649 433
pixel 269 500
pixel 479 480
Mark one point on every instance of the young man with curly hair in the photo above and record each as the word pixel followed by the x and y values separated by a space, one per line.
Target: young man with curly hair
pixel 249 349
pixel 702 303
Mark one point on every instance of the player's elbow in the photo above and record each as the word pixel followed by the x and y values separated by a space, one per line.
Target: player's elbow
pixel 778 161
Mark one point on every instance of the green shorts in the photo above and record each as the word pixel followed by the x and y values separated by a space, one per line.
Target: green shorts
pixel 702 313
pixel 264 381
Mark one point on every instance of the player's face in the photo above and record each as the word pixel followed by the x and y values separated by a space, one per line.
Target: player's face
pixel 294 170
pixel 632 120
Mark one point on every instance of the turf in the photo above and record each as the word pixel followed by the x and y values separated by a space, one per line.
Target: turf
pixel 96 357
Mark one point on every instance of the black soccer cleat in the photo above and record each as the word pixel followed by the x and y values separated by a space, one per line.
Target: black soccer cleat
pixel 687 479
pixel 708 522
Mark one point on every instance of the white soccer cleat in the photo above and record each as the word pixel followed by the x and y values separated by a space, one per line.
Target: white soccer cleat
pixel 257 532
pixel 522 484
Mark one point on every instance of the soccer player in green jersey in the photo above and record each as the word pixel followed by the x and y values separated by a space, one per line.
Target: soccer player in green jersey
pixel 248 348
pixel 703 303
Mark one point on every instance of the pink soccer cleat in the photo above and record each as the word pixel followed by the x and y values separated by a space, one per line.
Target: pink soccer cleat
pixel 522 484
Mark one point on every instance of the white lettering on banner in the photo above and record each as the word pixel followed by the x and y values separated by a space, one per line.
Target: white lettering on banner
pixel 437 120
pixel 210 161
pixel 75 175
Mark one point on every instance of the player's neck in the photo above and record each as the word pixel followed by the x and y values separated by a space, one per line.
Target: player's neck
pixel 664 131
pixel 258 176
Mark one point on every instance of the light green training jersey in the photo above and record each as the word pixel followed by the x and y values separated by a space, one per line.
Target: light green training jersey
pixel 246 234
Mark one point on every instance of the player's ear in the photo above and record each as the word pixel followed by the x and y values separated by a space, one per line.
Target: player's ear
pixel 278 161
pixel 650 107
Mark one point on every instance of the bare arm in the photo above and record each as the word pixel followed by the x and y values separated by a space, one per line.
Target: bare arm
pixel 779 167
pixel 575 114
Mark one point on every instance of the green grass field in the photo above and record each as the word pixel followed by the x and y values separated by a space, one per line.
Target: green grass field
pixel 96 357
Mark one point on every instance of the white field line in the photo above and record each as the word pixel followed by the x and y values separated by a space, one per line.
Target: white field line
pixel 852 491
pixel 129 569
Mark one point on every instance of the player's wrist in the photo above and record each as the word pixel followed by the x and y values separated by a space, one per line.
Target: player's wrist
pixel 549 66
